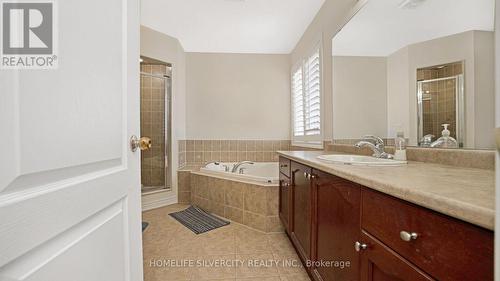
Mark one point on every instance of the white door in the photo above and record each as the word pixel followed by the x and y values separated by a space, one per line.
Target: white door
pixel 69 184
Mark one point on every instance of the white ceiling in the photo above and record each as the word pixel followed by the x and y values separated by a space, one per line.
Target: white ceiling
pixel 232 26
pixel 381 27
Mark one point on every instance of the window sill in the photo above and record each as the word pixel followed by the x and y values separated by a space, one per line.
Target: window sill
pixel 314 145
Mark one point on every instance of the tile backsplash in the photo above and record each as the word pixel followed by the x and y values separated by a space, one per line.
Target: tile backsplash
pixel 201 151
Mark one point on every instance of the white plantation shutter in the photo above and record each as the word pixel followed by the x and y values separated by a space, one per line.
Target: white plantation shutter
pixel 298 103
pixel 306 102
pixel 312 95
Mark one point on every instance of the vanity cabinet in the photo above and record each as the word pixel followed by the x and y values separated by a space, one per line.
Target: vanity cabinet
pixel 285 200
pixel 380 263
pixel 301 223
pixel 336 226
pixel 444 247
pixel 382 237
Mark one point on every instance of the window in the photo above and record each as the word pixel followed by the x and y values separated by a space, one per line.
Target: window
pixel 306 102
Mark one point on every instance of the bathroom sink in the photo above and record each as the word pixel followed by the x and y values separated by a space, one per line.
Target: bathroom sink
pixel 360 160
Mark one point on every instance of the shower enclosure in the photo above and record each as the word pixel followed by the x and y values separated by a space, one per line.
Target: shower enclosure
pixel 155 123
pixel 440 96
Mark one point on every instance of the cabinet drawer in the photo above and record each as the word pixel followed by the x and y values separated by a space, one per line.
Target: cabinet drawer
pixel 445 248
pixel 285 166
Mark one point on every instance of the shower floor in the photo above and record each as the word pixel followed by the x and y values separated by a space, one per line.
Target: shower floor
pixel 147 189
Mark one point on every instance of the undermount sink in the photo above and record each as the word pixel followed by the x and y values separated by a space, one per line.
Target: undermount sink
pixel 360 160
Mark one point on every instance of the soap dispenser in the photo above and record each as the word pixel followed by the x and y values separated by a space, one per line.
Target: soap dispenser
pixel 445 141
pixel 400 145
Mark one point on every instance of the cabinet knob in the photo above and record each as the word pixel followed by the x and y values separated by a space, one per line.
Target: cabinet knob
pixel 358 246
pixel 306 175
pixel 408 236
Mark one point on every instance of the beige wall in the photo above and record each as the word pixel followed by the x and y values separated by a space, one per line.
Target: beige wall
pixel 398 97
pixel 330 18
pixel 497 119
pixel 360 97
pixel 237 96
pixel 473 47
pixel 484 89
pixel 162 47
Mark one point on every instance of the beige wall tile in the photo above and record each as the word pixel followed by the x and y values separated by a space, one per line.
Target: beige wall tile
pixel 189 145
pixel 242 145
pixel 259 145
pixel 184 180
pixel 254 199
pixel 251 145
pixel 224 156
pixel 267 145
pixel 259 156
pixel 255 221
pixel 233 145
pixel 233 214
pixel 225 145
pixel 242 156
pixel 184 197
pixel 216 188
pixel 216 156
pixel 216 145
pixel 234 194
pixel 198 157
pixel 272 200
pixel 216 208
pixel 233 156
pixel 198 145
pixel 207 145
pixel 274 224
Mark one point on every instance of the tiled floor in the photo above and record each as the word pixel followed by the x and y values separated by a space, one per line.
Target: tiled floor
pixel 173 252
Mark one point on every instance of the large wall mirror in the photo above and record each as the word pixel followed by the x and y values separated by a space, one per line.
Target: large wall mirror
pixel 418 67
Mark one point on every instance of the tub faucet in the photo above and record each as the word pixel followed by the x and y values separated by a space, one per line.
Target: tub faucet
pixel 237 165
pixel 376 144
pixel 212 162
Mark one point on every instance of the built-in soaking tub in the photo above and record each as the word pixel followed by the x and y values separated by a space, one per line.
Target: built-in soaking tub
pixel 249 196
pixel 259 172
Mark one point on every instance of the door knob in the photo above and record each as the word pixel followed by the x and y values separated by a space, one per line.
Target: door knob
pixel 143 143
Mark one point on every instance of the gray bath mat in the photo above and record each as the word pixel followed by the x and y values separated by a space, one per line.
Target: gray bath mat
pixel 198 220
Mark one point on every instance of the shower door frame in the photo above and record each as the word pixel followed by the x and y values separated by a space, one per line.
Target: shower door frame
pixel 168 130
pixel 459 107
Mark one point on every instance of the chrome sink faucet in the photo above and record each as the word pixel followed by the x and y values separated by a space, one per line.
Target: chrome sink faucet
pixel 237 165
pixel 376 144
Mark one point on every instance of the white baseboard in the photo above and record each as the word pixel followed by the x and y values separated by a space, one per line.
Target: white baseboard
pixel 158 199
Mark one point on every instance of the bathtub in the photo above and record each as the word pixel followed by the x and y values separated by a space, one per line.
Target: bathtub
pixel 259 172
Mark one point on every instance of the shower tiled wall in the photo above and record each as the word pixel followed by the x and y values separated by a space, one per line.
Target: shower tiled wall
pixel 439 102
pixel 153 125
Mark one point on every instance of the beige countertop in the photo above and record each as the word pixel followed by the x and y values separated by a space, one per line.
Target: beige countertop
pixel 464 193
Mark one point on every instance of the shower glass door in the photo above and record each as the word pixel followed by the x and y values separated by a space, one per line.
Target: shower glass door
pixel 155 100
pixel 440 101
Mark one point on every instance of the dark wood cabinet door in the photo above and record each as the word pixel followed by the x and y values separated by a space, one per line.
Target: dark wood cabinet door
pixel 380 263
pixel 337 227
pixel 301 212
pixel 285 201
pixel 445 248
